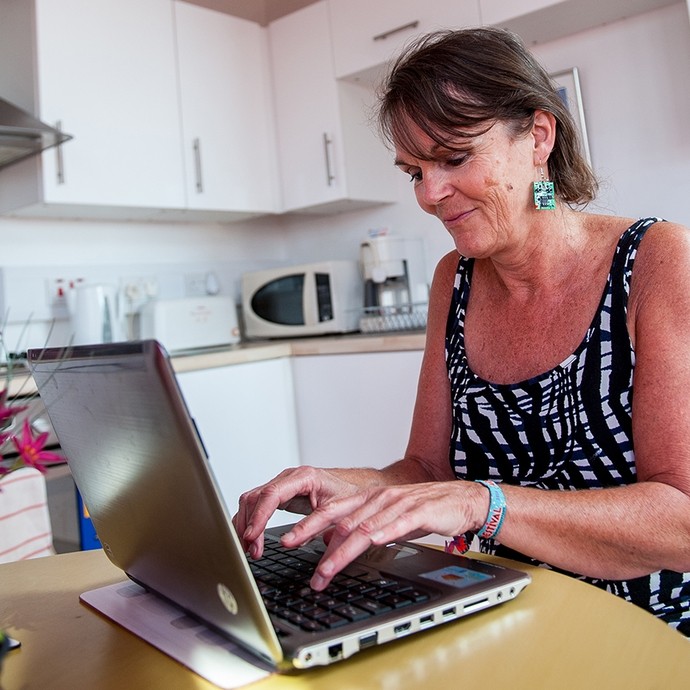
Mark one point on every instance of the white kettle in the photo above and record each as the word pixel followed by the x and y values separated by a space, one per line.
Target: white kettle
pixel 95 314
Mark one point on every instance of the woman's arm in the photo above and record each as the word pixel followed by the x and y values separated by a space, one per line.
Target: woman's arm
pixel 634 530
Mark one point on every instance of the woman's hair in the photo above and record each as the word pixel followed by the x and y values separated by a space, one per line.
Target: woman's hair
pixel 457 84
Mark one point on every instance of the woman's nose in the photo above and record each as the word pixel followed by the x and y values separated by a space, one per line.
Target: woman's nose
pixel 433 188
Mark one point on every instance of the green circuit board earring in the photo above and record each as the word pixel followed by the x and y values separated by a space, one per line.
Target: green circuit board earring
pixel 544 193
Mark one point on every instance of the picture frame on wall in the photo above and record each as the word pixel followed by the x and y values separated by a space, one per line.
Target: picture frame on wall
pixel 568 82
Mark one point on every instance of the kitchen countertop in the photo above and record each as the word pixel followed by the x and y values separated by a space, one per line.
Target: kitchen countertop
pixel 300 347
pixel 256 351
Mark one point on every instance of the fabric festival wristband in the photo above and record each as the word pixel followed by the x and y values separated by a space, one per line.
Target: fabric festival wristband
pixel 497 510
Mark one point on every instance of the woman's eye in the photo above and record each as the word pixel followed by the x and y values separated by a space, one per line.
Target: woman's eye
pixel 415 176
pixel 457 161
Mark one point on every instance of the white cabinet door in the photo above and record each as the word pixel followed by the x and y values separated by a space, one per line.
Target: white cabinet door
pixel 369 34
pixel 355 410
pixel 246 418
pixel 539 21
pixel 227 111
pixel 330 157
pixel 106 71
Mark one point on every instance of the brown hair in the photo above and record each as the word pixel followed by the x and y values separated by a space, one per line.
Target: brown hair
pixel 459 83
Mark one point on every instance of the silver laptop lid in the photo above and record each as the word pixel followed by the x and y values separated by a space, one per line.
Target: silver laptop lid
pixel 135 457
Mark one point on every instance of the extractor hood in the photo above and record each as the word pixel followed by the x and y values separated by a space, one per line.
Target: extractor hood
pixel 23 135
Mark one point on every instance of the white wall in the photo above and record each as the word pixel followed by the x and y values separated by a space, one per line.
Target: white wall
pixel 635 80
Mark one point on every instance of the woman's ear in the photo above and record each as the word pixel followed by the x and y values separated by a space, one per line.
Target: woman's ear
pixel 544 135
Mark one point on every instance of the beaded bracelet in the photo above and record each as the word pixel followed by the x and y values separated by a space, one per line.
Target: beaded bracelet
pixel 497 510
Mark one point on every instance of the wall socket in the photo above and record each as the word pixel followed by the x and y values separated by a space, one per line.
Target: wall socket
pixel 57 291
pixel 195 284
pixel 138 291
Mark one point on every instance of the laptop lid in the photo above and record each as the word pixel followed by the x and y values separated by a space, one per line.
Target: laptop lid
pixel 142 471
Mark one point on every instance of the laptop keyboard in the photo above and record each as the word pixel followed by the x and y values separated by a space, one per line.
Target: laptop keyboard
pixel 356 594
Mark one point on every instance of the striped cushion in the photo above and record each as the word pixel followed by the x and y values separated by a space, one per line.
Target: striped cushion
pixel 25 530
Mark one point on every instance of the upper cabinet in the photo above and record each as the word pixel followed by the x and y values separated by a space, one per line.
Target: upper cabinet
pixel 368 34
pixel 330 156
pixel 539 21
pixel 104 72
pixel 227 112
pixel 150 141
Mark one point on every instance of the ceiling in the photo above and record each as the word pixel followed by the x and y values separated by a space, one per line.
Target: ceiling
pixel 260 11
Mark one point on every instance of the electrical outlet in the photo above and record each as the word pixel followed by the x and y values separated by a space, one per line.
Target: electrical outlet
pixel 138 291
pixel 57 291
pixel 195 284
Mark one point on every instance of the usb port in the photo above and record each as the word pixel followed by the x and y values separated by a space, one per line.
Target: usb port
pixel 368 640
pixel 426 620
pixel 447 613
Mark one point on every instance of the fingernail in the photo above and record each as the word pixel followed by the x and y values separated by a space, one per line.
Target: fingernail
pixel 317 582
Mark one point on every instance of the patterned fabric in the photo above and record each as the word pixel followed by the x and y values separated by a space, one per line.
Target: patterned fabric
pixel 25 530
pixel 568 428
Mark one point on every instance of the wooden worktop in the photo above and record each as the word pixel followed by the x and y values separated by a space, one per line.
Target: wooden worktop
pixel 297 347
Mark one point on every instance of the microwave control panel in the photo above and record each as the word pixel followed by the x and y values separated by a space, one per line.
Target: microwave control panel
pixel 323 296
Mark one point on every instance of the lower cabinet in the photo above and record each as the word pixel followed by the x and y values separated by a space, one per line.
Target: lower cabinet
pixel 257 419
pixel 355 410
pixel 245 415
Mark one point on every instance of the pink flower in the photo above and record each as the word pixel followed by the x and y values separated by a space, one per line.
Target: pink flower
pixel 7 412
pixel 30 448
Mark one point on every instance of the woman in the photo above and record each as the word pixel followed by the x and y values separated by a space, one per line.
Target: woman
pixel 542 323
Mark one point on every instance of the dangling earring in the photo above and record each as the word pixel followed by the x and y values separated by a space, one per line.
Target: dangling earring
pixel 544 193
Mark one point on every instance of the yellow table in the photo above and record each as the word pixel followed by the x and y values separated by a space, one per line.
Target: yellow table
pixel 559 633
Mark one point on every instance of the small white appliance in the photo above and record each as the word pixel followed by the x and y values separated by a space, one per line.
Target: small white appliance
pixel 95 314
pixel 396 292
pixel 190 323
pixel 309 299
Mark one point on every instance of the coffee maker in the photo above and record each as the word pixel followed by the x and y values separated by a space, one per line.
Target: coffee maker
pixel 396 291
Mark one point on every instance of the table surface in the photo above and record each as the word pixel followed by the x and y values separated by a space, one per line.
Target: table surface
pixel 559 633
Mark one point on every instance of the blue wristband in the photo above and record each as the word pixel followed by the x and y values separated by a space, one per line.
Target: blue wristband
pixel 497 510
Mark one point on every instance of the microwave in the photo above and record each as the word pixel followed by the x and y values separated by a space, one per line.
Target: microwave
pixel 311 299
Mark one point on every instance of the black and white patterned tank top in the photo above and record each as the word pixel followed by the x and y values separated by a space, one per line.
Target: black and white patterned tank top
pixel 568 428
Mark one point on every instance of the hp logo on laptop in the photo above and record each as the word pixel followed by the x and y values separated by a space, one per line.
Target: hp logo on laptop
pixel 228 598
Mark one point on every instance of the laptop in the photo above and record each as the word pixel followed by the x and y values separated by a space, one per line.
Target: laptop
pixel 142 471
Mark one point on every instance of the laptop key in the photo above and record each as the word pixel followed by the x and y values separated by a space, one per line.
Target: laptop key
pixel 374 607
pixel 333 620
pixel 395 601
pixel 352 613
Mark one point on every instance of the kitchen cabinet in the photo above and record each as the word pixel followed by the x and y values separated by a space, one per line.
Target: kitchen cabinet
pixel 245 415
pixel 539 21
pixel 169 105
pixel 105 73
pixel 227 112
pixel 355 410
pixel 366 34
pixel 330 156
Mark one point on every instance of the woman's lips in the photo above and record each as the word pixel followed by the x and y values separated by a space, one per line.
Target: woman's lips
pixel 457 218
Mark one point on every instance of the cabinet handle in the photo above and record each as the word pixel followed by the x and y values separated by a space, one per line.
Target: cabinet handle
pixel 59 163
pixel 327 142
pixel 197 166
pixel 388 34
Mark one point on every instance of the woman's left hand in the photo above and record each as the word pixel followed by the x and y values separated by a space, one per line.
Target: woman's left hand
pixel 382 515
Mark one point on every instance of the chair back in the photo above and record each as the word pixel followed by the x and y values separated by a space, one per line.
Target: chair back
pixel 25 529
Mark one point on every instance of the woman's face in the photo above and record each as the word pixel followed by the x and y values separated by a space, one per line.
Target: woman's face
pixel 480 189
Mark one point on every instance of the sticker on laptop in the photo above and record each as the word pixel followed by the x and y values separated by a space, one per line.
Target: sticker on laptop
pixel 455 576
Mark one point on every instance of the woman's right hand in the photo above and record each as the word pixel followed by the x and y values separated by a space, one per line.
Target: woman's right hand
pixel 297 490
